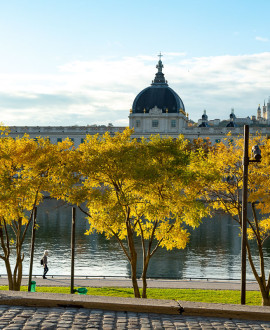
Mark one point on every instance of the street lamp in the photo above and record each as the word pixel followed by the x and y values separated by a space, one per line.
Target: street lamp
pixel 256 151
pixel 257 158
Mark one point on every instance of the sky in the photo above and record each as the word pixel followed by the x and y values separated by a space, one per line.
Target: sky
pixel 82 62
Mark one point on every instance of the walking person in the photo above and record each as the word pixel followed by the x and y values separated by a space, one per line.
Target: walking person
pixel 45 260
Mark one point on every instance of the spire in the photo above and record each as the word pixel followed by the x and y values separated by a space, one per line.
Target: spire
pixel 232 115
pixel 259 112
pixel 159 78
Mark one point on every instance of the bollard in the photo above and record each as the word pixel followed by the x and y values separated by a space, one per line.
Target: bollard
pixel 33 286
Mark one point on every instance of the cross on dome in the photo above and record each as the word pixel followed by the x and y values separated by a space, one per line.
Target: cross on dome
pixel 159 66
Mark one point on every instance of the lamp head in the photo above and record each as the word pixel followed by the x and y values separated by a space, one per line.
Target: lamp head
pixel 256 153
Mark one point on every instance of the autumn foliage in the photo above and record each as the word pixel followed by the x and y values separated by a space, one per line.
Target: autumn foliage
pixel 154 190
pixel 26 169
pixel 146 189
pixel 225 193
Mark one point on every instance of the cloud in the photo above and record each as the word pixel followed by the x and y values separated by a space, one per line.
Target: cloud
pixel 102 91
pixel 262 39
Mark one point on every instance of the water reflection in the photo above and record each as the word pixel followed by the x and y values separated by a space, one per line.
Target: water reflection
pixel 213 251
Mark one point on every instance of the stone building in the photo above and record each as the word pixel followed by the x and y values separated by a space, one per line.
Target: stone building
pixel 58 133
pixel 158 109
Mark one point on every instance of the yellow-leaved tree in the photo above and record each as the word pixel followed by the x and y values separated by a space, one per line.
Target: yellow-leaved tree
pixel 226 194
pixel 25 172
pixel 146 189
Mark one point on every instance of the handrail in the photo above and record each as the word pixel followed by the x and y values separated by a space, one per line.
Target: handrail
pixel 148 278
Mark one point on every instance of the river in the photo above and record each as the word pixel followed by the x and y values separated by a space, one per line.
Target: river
pixel 213 250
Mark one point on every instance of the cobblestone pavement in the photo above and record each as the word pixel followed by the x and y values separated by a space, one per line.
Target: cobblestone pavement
pixel 31 318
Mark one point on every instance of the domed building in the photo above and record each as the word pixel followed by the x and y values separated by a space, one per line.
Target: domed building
pixel 158 108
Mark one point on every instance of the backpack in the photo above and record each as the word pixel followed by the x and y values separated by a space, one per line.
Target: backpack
pixel 41 261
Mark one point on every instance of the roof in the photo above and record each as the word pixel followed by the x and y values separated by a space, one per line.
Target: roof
pixel 159 94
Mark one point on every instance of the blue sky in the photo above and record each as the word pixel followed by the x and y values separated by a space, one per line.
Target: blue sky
pixel 82 62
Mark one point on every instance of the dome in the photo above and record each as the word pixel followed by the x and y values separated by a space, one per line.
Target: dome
pixel 159 94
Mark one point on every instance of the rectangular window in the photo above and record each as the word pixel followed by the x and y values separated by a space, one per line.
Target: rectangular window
pixel 82 140
pixel 72 140
pixel 217 140
pixel 155 123
pixel 138 123
pixel 173 123
pixel 59 140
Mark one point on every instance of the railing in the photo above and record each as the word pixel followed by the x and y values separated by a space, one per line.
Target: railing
pixel 128 277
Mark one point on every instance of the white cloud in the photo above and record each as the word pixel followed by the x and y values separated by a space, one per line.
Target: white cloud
pixel 262 39
pixel 88 92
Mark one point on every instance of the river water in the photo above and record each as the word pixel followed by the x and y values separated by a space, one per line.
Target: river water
pixel 213 250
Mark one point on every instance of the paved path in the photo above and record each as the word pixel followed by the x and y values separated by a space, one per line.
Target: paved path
pixel 124 282
pixel 32 318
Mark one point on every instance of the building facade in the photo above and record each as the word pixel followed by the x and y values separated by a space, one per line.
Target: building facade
pixel 159 110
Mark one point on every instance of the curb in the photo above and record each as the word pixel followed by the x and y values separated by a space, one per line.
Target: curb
pixel 159 306
pixel 42 299
pixel 246 312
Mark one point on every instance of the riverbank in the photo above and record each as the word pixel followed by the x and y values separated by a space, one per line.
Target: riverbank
pixel 126 283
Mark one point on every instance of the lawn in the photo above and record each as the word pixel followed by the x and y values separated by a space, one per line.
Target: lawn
pixel 208 296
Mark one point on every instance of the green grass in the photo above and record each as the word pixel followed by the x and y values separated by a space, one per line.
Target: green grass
pixel 208 296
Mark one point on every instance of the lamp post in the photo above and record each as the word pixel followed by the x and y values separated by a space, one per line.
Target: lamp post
pixel 34 219
pixel 257 155
pixel 73 227
pixel 244 217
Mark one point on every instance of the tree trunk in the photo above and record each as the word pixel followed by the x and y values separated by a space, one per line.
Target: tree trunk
pixel 260 279
pixel 265 299
pixel 264 291
pixel 133 260
pixel 144 273
pixel 17 275
pixel 14 281
pixel 6 250
pixel 9 274
pixel 134 277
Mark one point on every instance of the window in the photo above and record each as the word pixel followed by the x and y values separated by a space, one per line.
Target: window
pixel 138 123
pixel 72 140
pixel 218 141
pixel 59 140
pixel 155 123
pixel 173 123
pixel 82 140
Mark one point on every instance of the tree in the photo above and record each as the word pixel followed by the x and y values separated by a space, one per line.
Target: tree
pixel 25 172
pixel 225 194
pixel 141 188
